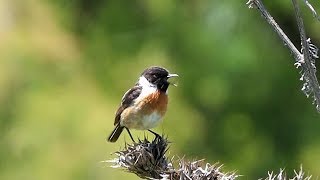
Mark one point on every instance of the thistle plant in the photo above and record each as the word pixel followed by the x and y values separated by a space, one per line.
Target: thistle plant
pixel 148 160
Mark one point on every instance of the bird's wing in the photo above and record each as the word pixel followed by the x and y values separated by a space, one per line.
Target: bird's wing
pixel 127 100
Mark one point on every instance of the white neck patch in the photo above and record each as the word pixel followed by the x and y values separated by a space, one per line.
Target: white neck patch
pixel 147 87
pixel 145 83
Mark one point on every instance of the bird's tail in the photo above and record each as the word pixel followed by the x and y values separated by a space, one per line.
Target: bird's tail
pixel 115 133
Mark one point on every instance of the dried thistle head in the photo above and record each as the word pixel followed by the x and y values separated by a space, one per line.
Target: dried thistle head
pixel 148 160
pixel 196 170
pixel 282 176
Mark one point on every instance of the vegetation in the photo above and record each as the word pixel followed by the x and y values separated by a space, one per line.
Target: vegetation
pixel 66 64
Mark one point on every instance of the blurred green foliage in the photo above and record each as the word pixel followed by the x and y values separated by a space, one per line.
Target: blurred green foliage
pixel 65 65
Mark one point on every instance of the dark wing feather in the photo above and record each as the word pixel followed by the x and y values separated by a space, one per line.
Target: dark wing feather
pixel 127 100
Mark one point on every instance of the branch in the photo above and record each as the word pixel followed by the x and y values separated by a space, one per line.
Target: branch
pixel 314 12
pixel 306 59
pixel 258 4
pixel 309 68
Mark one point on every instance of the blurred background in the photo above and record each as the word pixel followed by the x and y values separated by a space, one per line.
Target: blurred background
pixel 66 64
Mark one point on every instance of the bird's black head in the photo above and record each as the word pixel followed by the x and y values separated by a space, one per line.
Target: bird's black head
pixel 158 76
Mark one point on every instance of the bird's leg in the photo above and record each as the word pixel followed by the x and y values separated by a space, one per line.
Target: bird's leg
pixel 130 135
pixel 156 134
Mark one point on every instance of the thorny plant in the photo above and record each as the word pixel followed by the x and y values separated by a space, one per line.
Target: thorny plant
pixel 304 60
pixel 282 176
pixel 148 161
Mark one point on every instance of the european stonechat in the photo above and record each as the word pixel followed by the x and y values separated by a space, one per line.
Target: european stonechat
pixel 143 106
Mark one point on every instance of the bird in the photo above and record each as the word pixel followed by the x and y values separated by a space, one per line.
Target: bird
pixel 143 106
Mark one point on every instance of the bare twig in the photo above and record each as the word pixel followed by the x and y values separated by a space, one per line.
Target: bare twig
pixel 259 5
pixel 308 67
pixel 306 59
pixel 314 12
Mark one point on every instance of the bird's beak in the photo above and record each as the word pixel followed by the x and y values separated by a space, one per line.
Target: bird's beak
pixel 172 75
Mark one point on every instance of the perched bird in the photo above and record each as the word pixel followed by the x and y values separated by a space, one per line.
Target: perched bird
pixel 143 106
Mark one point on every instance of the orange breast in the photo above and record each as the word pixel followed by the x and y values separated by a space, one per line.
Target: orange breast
pixel 156 101
pixel 147 113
